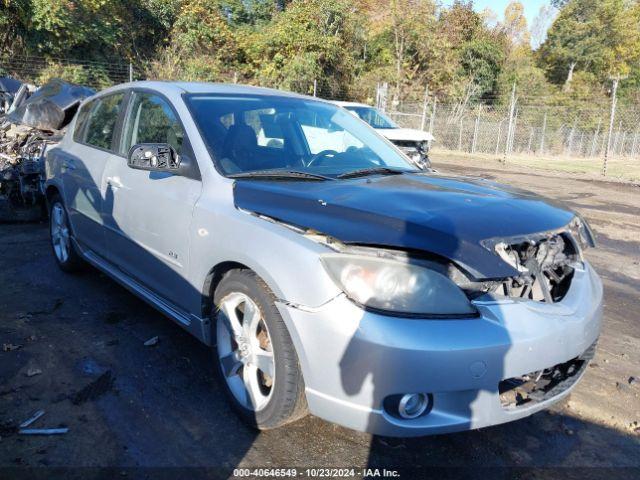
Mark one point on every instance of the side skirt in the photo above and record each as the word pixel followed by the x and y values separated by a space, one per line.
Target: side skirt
pixel 196 326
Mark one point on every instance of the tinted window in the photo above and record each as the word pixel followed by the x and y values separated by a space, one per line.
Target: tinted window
pixel 151 120
pixel 81 122
pixel 102 121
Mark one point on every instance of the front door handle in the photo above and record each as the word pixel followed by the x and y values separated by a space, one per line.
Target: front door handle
pixel 114 182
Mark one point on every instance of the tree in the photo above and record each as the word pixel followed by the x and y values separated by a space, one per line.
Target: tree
pixel 482 60
pixel 14 24
pixel 515 24
pixel 203 45
pixel 310 40
pixel 250 12
pixel 600 36
pixel 541 24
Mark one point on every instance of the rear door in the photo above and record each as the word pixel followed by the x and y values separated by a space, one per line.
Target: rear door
pixel 151 211
pixel 83 167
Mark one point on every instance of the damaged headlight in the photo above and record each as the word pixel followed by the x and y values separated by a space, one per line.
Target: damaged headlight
pixel 397 287
pixel 581 232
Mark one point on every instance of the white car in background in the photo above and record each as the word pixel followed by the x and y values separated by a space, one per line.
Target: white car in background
pixel 414 143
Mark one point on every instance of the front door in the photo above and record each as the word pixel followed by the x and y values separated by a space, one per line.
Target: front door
pixel 150 212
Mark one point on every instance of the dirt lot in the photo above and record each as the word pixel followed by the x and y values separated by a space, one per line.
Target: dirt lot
pixel 128 405
pixel 624 169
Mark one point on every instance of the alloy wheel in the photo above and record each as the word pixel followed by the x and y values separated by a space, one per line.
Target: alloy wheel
pixel 60 237
pixel 245 351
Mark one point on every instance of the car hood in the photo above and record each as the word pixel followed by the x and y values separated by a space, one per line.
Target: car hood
pixel 446 216
pixel 405 134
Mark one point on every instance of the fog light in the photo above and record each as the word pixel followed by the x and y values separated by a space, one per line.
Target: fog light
pixel 412 405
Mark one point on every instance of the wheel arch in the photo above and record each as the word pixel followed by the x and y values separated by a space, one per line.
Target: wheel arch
pixel 50 191
pixel 212 280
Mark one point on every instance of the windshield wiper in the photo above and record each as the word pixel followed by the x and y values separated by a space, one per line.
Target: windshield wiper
pixel 372 171
pixel 288 174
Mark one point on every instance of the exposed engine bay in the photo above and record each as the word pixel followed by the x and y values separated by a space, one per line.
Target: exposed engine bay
pixel 546 267
pixel 31 122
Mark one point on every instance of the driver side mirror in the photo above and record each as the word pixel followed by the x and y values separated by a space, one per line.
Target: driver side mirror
pixel 155 157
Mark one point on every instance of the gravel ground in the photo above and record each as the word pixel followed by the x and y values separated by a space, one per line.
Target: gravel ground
pixel 82 359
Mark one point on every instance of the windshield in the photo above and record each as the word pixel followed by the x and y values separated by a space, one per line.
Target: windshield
pixel 251 133
pixel 373 117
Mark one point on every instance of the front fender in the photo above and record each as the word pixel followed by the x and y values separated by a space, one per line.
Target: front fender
pixel 286 260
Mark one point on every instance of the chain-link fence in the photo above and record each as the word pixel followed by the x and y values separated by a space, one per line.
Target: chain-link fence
pixel 37 70
pixel 484 129
pixel 530 129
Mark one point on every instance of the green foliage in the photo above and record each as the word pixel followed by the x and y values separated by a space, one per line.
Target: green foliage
pixel 482 61
pixel 346 46
pixel 14 19
pixel 244 12
pixel 94 76
pixel 598 36
pixel 310 40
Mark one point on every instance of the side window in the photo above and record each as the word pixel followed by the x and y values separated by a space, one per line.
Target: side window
pixel 151 120
pixel 102 120
pixel 81 122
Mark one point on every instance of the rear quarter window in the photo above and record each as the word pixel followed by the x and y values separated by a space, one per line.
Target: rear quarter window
pixel 102 121
pixel 81 122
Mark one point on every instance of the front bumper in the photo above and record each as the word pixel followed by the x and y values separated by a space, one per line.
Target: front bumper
pixel 352 360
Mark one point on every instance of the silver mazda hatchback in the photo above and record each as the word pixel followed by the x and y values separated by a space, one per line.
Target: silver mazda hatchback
pixel 328 273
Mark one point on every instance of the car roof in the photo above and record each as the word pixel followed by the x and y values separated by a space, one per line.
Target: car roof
pixel 173 88
pixel 350 104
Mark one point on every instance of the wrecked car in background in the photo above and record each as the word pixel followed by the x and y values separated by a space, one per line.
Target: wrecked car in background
pixel 9 88
pixel 415 144
pixel 32 122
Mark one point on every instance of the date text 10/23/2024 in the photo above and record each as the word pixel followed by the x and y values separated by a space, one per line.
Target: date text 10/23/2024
pixel 315 473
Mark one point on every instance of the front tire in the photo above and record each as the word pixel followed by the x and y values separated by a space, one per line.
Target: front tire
pixel 254 353
pixel 60 233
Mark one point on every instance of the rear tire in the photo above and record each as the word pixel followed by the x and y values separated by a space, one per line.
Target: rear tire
pixel 62 245
pixel 255 357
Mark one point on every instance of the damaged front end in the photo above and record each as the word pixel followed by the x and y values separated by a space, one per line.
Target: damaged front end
pixel 545 266
pixel 535 387
pixel 545 262
pixel 417 151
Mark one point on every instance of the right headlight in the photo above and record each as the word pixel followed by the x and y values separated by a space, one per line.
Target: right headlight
pixel 398 287
pixel 582 233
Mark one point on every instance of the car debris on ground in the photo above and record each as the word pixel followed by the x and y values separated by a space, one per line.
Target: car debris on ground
pixel 43 431
pixel 9 347
pixel 32 372
pixel 31 122
pixel 32 419
pixel 23 430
